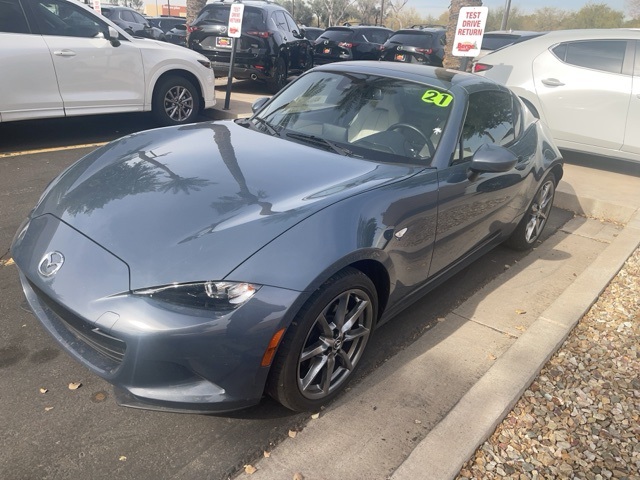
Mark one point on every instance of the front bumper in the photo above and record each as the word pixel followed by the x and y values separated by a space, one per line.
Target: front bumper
pixel 157 355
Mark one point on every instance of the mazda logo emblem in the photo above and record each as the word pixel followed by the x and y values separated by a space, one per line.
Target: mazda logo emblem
pixel 223 29
pixel 326 42
pixel 50 264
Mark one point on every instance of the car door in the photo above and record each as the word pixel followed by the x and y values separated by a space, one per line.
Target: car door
pixel 474 207
pixel 584 89
pixel 28 84
pixel 631 136
pixel 94 76
pixel 299 47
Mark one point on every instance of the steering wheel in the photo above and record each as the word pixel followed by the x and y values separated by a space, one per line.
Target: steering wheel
pixel 427 140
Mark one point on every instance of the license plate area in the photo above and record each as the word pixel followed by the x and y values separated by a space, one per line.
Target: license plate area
pixel 224 42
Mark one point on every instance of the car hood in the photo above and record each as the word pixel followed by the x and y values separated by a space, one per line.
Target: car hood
pixel 190 203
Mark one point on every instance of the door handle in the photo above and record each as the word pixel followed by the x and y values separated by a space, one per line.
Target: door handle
pixel 552 82
pixel 64 53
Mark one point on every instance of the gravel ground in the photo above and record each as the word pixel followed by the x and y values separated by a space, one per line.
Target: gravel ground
pixel 580 418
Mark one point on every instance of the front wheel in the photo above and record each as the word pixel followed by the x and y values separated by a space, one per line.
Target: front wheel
pixel 532 224
pixel 175 101
pixel 325 342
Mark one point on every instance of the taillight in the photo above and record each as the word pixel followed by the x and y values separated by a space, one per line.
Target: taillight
pixel 426 51
pixel 191 29
pixel 257 33
pixel 481 67
pixel 347 44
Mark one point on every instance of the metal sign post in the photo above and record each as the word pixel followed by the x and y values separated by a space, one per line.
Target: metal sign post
pixel 235 30
pixel 469 32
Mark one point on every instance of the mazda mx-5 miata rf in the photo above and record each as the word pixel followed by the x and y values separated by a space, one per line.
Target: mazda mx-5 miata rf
pixel 199 267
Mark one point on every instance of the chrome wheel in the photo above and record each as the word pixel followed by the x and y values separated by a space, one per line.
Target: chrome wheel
pixel 178 103
pixel 539 211
pixel 325 342
pixel 533 222
pixel 335 344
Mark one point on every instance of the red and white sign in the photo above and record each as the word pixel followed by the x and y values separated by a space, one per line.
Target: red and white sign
pixel 469 31
pixel 235 19
pixel 96 6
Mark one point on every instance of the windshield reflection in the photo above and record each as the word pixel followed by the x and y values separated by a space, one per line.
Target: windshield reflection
pixel 369 116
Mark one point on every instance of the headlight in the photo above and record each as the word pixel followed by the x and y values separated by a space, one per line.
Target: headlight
pixel 207 295
pixel 204 63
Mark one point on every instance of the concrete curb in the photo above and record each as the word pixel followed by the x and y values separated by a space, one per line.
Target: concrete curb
pixel 442 453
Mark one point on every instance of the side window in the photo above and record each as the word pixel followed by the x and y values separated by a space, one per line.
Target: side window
pixel 127 16
pixel 291 23
pixel 12 19
pixel 55 17
pixel 281 22
pixel 490 119
pixel 139 18
pixel 604 55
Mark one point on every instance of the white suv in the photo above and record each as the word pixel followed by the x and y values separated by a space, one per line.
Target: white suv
pixel 59 58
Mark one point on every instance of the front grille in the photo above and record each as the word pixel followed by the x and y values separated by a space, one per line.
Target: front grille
pixel 110 348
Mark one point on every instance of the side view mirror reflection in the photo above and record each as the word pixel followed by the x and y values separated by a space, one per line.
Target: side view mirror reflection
pixel 259 103
pixel 112 36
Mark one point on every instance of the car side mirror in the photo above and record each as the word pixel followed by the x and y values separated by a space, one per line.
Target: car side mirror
pixel 299 34
pixel 112 36
pixel 259 103
pixel 492 158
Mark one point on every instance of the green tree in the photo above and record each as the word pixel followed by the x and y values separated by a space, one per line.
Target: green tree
pixel 596 15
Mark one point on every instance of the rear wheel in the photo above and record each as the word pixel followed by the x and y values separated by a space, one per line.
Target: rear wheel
pixel 279 79
pixel 175 101
pixel 532 224
pixel 325 342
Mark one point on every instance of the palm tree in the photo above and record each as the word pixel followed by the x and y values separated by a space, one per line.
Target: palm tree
pixel 193 8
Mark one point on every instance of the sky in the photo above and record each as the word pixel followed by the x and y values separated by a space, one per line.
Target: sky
pixel 436 7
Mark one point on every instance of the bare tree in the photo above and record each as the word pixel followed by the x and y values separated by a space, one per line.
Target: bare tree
pixel 454 10
pixel 633 7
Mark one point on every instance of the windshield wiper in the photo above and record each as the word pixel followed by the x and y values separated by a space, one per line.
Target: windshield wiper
pixel 312 139
pixel 268 127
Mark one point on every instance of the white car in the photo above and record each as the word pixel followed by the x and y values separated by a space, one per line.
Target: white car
pixel 59 58
pixel 585 84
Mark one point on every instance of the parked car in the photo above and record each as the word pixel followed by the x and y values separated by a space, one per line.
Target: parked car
pixel 131 21
pixel 492 41
pixel 271 47
pixel 197 267
pixel 177 35
pixel 312 33
pixel 59 58
pixel 165 22
pixel 582 83
pixel 356 42
pixel 416 45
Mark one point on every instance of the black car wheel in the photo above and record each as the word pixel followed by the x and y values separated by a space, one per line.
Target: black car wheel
pixel 176 101
pixel 325 342
pixel 532 224
pixel 279 79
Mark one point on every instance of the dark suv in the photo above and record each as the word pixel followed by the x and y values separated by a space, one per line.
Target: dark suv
pixel 350 43
pixel 131 21
pixel 271 47
pixel 416 45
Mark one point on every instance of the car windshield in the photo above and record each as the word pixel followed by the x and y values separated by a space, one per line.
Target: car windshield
pixel 368 116
pixel 414 39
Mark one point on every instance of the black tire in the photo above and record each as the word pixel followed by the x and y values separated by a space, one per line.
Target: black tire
pixel 321 350
pixel 532 224
pixel 175 101
pixel 279 77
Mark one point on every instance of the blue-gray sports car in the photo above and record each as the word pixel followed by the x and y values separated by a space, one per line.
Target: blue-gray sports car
pixel 199 267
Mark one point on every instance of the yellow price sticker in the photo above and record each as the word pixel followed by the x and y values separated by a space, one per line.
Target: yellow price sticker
pixel 440 99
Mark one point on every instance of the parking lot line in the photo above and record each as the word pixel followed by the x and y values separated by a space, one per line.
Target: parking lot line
pixel 54 149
